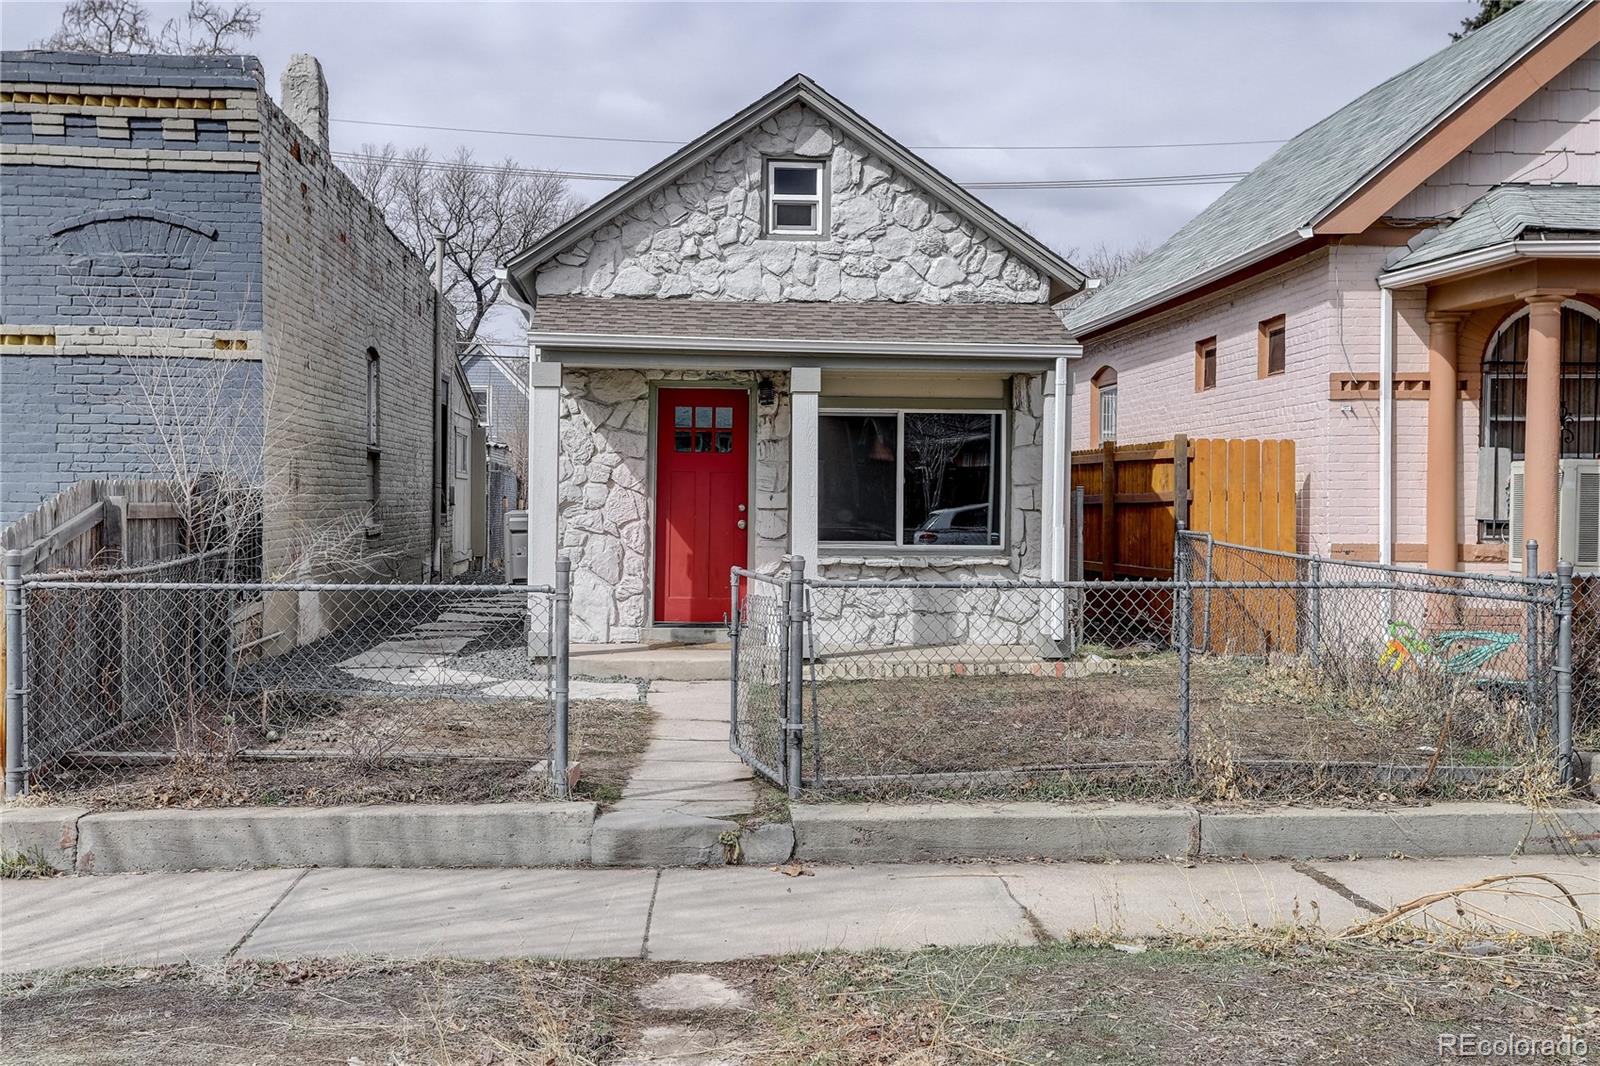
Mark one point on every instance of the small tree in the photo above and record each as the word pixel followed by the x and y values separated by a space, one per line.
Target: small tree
pixel 1488 11
pixel 122 27
pixel 486 213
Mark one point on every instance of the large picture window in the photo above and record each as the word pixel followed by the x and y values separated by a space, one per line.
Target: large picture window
pixel 912 479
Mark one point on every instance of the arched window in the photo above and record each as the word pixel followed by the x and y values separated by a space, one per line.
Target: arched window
pixel 1103 407
pixel 1505 384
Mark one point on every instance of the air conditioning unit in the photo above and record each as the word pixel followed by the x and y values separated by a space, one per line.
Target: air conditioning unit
pixel 1577 517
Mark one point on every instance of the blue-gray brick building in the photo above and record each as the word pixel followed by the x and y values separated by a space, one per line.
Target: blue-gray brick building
pixel 191 285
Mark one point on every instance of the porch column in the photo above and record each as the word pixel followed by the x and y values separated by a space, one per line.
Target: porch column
pixel 1056 540
pixel 805 384
pixel 1542 448
pixel 544 450
pixel 1444 443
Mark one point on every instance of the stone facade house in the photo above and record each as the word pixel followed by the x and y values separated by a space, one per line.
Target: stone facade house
pixel 191 284
pixel 790 336
pixel 1410 289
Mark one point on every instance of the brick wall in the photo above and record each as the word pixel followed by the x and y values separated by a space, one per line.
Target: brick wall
pixel 132 271
pixel 336 282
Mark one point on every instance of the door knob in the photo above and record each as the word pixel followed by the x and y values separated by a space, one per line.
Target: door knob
pixel 741 523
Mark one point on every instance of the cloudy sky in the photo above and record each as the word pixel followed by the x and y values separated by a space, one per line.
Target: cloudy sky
pixel 929 74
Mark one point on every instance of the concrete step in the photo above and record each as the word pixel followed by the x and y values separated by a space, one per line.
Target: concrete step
pixel 652 662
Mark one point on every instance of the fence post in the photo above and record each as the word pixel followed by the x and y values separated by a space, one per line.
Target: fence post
pixel 16 676
pixel 1184 608
pixel 1314 593
pixel 794 692
pixel 560 606
pixel 733 663
pixel 1563 672
pixel 1530 634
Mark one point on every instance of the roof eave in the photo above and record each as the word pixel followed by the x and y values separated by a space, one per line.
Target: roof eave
pixel 1067 348
pixel 1422 134
pixel 1487 258
pixel 1177 290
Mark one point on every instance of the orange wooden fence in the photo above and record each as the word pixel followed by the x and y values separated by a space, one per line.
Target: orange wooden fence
pixel 1239 491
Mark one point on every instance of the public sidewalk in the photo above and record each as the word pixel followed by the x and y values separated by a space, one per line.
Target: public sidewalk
pixel 706 915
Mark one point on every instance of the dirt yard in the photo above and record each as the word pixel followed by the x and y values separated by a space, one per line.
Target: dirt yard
pixel 350 765
pixel 1272 1004
pixel 1257 730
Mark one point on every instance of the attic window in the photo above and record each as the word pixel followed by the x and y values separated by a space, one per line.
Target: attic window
pixel 794 197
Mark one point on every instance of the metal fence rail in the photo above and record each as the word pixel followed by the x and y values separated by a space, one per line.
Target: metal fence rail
pixel 109 676
pixel 1286 679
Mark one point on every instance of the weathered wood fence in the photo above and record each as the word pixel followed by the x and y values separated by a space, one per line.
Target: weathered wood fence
pixel 98 523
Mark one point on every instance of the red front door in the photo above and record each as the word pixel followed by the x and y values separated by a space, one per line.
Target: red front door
pixel 702 500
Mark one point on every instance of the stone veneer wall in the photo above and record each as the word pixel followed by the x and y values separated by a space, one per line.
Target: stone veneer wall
pixel 604 505
pixel 702 236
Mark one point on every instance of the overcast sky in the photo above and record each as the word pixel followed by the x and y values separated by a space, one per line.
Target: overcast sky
pixel 929 74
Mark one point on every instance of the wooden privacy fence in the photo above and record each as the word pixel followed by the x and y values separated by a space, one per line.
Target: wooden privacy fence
pixel 1240 491
pixel 99 523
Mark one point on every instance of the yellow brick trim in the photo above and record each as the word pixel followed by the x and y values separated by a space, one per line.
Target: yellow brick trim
pixel 15 337
pixel 165 103
pixel 225 344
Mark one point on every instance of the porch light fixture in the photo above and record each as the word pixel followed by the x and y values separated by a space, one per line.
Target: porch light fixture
pixel 766 395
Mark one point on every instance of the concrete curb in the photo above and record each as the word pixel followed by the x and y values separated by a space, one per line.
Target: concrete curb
pixel 490 834
pixel 575 834
pixel 1420 832
pixel 942 832
pixel 42 834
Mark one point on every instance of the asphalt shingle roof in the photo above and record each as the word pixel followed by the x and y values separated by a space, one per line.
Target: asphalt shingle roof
pixel 1508 212
pixel 975 323
pixel 1317 169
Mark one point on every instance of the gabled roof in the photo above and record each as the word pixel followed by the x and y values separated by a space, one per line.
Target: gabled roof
pixel 1274 207
pixel 1512 212
pixel 1065 278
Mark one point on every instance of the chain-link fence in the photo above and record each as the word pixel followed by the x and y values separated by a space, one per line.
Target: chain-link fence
pixel 218 691
pixel 1249 675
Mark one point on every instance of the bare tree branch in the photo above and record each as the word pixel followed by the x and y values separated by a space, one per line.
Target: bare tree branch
pixel 122 27
pixel 486 214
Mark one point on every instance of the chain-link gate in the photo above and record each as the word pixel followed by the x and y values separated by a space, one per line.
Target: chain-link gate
pixel 758 633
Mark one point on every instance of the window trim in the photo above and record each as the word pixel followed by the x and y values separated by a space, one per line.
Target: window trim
pixel 1002 507
pixel 1200 350
pixel 774 198
pixel 374 390
pixel 1106 392
pixel 1264 330
pixel 486 406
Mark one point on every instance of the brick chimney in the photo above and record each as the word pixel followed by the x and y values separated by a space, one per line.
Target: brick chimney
pixel 303 95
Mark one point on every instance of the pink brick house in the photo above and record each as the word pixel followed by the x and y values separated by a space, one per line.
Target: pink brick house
pixel 1410 289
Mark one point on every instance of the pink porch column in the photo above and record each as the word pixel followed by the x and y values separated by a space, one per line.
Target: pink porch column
pixel 1542 450
pixel 1444 442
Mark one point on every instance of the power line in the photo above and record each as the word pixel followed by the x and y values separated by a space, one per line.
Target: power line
pixel 914 147
pixel 1147 181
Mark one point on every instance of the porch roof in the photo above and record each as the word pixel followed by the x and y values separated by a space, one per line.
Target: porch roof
pixel 1509 213
pixel 587 321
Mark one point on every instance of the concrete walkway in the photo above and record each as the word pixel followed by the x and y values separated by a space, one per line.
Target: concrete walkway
pixel 718 914
pixel 688 767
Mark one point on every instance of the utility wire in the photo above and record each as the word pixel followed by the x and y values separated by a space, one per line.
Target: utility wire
pixel 1149 181
pixel 913 147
